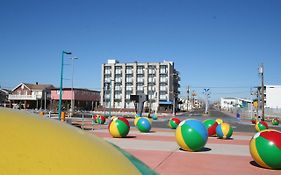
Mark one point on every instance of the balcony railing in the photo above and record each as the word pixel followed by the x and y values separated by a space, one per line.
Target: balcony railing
pixel 24 97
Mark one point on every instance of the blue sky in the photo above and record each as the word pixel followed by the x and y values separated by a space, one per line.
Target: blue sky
pixel 214 43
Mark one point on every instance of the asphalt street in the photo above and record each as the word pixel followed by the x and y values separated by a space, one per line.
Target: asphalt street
pixel 238 125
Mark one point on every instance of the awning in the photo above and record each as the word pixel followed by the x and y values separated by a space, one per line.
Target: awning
pixel 165 102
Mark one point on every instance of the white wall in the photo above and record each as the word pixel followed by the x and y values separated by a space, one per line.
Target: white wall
pixel 273 96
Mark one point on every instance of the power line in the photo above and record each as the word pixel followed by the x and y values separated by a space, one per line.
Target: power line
pixel 232 92
pixel 221 87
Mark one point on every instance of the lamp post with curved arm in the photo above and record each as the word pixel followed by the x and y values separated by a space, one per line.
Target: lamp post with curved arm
pixel 61 82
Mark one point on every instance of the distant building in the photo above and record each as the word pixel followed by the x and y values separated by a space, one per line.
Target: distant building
pixel 229 103
pixel 272 96
pixel 4 94
pixel 31 96
pixel 158 80
pixel 84 99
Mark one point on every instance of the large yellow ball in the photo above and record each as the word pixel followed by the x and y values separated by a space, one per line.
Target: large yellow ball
pixel 35 145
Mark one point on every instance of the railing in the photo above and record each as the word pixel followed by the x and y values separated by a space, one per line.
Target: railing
pixel 22 97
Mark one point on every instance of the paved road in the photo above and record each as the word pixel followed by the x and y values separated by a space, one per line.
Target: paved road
pixel 239 126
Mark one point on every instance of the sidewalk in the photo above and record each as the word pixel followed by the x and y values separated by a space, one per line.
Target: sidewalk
pixel 159 150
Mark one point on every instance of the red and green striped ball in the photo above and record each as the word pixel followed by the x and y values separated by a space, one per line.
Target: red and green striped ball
pixel 174 122
pixel 143 124
pixel 254 120
pixel 94 118
pixel 265 148
pixel 119 127
pixel 224 131
pixel 275 121
pixel 261 125
pixel 100 119
pixel 191 135
pixel 211 126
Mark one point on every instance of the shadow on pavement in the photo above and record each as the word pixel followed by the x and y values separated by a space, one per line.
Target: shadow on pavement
pixel 255 164
pixel 225 139
pixel 129 137
pixel 205 149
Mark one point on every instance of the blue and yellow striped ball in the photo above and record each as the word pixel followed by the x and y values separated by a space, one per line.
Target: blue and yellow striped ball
pixel 224 131
pixel 154 116
pixel 191 135
pixel 143 124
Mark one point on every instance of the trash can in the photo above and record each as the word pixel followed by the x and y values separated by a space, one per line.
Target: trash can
pixel 62 116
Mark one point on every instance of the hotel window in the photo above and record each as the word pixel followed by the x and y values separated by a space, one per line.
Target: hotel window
pixel 140 88
pixel 118 70
pixel 140 69
pixel 163 69
pixel 107 70
pixel 118 79
pixel 163 88
pixel 163 79
pixel 163 97
pixel 129 69
pixel 129 88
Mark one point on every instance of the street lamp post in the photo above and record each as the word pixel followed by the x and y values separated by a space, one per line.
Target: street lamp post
pixel 108 87
pixel 72 93
pixel 261 71
pixel 110 96
pixel 207 93
pixel 61 82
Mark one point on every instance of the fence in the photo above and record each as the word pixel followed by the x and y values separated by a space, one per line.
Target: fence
pixel 248 113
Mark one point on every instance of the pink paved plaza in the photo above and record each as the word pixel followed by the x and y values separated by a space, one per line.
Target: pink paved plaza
pixel 159 150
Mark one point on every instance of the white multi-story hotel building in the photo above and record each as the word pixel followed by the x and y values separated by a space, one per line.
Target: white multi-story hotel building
pixel 160 81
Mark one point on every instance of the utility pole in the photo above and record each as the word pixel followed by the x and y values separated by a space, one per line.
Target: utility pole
pixel 258 99
pixel 261 71
pixel 193 97
pixel 188 91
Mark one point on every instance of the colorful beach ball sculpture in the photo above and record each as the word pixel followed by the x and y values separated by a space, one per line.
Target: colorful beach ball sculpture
pixel 261 125
pixel 33 132
pixel 113 117
pixel 154 116
pixel 136 120
pixel 254 120
pixel 174 122
pixel 211 126
pixel 224 131
pixel 119 127
pixel 191 135
pixel 265 148
pixel 275 121
pixel 100 119
pixel 94 118
pixel 219 121
pixel 143 124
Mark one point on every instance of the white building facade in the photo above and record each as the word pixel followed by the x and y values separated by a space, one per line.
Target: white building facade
pixel 157 80
pixel 272 96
